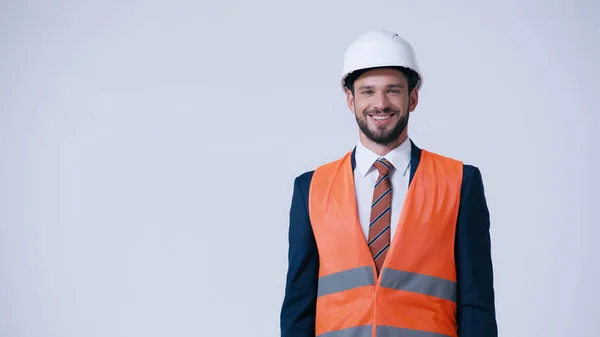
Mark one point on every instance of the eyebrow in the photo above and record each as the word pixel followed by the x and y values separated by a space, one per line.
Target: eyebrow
pixel 397 85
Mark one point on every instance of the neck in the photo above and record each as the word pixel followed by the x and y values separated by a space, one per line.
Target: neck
pixel 381 149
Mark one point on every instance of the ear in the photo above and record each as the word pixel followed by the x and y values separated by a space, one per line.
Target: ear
pixel 350 100
pixel 414 100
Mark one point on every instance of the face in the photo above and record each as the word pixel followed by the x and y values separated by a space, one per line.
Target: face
pixel 381 104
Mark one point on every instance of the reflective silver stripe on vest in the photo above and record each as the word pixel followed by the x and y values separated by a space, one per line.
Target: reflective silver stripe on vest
pixel 389 331
pixel 358 331
pixel 418 283
pixel 347 279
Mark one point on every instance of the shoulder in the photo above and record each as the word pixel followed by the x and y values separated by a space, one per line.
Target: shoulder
pixel 471 173
pixel 302 181
pixel 445 159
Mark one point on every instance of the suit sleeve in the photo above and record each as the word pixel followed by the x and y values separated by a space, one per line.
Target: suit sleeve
pixel 476 309
pixel 299 303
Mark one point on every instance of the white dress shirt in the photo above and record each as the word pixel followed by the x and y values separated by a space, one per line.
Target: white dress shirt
pixel 365 176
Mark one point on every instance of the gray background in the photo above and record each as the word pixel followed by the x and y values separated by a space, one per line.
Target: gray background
pixel 148 151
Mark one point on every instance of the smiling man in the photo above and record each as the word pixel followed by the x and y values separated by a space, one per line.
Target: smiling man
pixel 390 239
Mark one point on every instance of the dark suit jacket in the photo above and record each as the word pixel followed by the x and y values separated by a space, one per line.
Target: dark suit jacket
pixel 476 309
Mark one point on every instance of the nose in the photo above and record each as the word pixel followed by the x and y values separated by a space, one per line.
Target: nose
pixel 382 102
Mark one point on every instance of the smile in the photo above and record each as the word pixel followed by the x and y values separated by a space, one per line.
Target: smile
pixel 381 117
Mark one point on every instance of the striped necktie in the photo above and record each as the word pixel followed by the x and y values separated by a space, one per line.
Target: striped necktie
pixel 381 209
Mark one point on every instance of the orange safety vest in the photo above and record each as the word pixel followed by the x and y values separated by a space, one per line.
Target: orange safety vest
pixel 415 295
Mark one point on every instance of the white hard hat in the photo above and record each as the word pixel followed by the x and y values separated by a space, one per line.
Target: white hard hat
pixel 380 48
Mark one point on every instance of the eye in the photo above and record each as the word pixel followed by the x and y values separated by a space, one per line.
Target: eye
pixel 367 92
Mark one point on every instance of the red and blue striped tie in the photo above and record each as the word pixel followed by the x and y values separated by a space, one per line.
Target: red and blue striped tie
pixel 381 210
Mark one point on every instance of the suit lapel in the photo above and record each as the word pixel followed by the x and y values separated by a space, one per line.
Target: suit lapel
pixel 415 159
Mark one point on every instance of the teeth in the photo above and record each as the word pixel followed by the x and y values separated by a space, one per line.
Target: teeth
pixel 380 117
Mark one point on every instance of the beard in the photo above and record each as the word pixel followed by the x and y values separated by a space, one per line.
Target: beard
pixel 380 135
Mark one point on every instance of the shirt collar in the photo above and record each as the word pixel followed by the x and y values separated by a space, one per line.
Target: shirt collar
pixel 399 157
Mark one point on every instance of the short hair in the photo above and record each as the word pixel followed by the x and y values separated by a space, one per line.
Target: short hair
pixel 412 77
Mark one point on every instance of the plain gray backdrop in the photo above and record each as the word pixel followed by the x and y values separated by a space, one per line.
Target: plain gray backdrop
pixel 148 151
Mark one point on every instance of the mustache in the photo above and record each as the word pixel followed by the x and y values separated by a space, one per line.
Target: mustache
pixel 375 111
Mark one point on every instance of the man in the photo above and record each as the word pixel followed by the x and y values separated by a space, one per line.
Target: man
pixel 390 239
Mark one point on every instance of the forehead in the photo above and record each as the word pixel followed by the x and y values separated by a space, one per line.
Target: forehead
pixel 382 76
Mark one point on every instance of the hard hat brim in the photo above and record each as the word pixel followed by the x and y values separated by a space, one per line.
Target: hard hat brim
pixel 418 85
